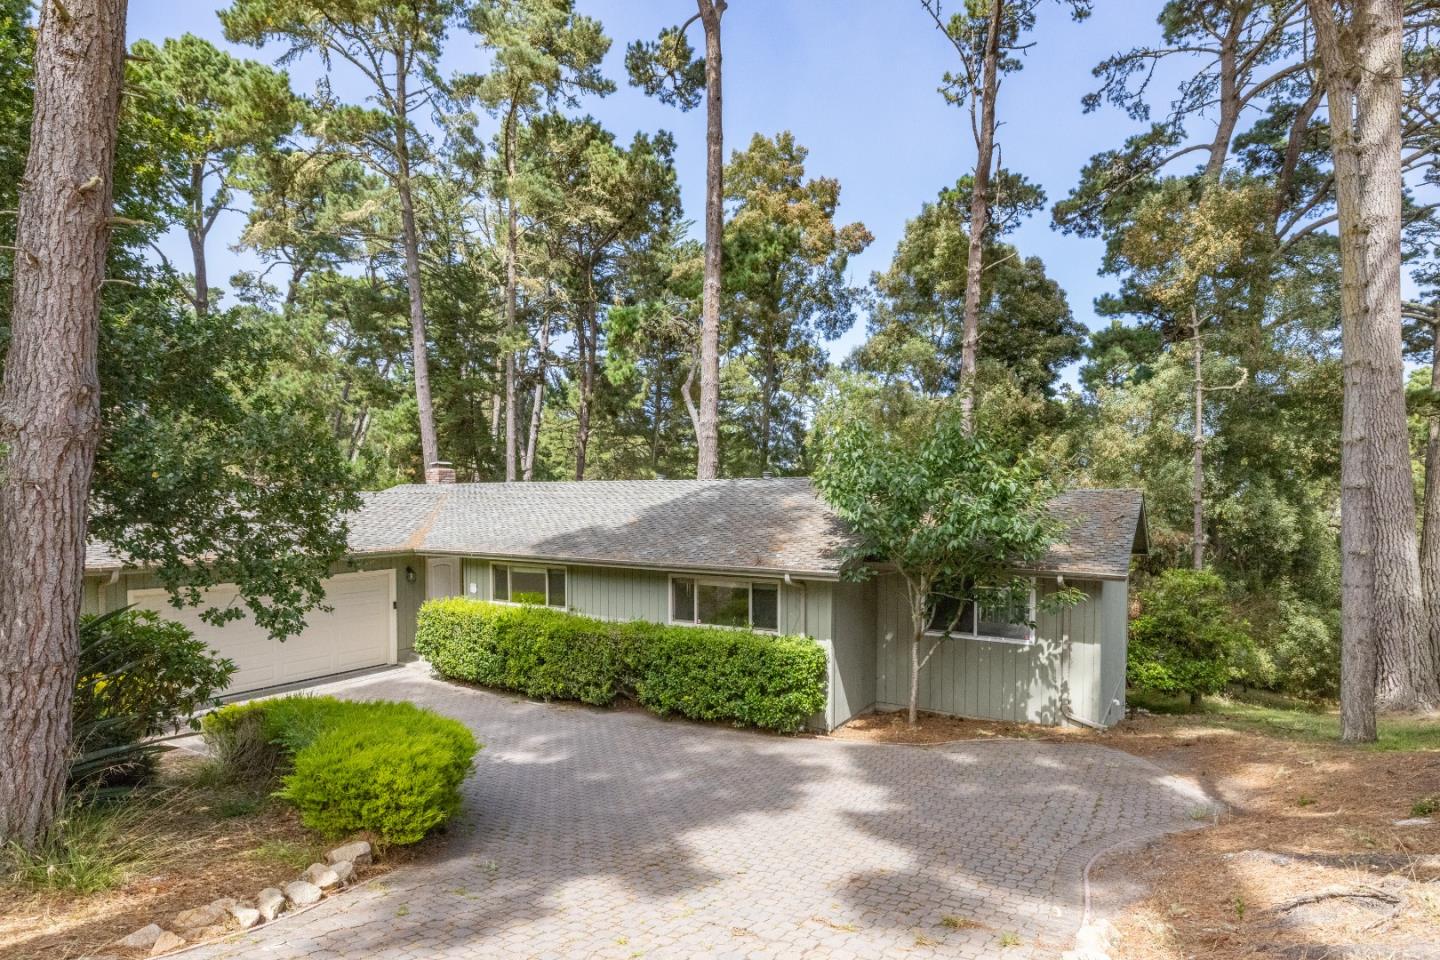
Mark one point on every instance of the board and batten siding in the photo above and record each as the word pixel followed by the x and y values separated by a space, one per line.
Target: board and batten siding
pixel 103 594
pixel 1068 669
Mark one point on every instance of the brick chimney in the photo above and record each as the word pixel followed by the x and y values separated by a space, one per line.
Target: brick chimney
pixel 440 472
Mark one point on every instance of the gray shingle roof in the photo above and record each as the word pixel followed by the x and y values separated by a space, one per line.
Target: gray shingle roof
pixel 775 526
pixel 1103 529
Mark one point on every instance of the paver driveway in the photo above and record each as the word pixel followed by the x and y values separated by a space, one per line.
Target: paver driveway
pixel 616 834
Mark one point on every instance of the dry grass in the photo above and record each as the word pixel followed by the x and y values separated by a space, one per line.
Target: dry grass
pixel 186 843
pixel 1305 818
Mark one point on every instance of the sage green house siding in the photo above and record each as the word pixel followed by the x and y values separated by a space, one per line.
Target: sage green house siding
pixel 852 659
pixel 623 593
pixel 1075 668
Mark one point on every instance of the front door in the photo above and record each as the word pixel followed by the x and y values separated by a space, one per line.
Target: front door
pixel 442 577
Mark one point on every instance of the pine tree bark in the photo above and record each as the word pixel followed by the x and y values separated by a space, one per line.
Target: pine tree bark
pixel 1197 441
pixel 419 343
pixel 708 440
pixel 1386 656
pixel 50 400
pixel 979 212
pixel 512 242
pixel 1430 530
pixel 537 404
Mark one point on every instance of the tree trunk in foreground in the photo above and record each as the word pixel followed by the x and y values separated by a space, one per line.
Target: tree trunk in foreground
pixel 1430 530
pixel 708 464
pixel 1386 657
pixel 979 213
pixel 1197 441
pixel 50 402
pixel 419 344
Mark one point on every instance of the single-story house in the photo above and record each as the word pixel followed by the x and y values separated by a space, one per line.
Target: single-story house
pixel 763 553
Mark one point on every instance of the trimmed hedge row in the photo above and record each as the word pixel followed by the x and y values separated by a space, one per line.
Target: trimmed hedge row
pixel 391 768
pixel 704 673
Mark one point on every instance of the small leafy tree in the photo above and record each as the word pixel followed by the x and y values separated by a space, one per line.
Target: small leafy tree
pixel 954 514
pixel 1187 637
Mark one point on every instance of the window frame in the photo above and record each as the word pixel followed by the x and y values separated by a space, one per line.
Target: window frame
pixel 1031 630
pixel 721 581
pixel 543 569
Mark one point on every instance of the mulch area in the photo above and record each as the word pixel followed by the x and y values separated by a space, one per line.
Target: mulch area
pixel 189 850
pixel 1306 862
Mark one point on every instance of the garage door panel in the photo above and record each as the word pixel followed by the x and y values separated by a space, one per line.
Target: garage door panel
pixel 354 633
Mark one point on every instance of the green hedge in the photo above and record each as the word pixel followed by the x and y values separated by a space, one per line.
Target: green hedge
pixel 391 768
pixel 704 673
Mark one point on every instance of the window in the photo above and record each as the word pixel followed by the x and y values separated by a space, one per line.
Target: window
pixel 542 586
pixel 982 621
pixel 725 603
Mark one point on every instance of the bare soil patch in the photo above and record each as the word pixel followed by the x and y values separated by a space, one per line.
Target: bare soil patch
pixel 891 727
pixel 192 842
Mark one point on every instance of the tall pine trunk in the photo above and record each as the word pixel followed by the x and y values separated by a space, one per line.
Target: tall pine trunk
pixel 50 401
pixel 512 241
pixel 1386 656
pixel 537 405
pixel 1430 531
pixel 1197 453
pixel 429 447
pixel 708 463
pixel 979 212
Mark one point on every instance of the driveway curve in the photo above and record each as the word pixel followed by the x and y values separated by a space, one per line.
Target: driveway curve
pixel 588 833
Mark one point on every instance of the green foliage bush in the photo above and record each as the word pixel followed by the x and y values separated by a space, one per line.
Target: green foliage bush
pixel 704 673
pixel 391 768
pixel 1187 639
pixel 139 676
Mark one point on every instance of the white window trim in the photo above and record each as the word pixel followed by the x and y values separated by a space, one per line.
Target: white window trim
pixel 748 584
pixel 975 634
pixel 529 568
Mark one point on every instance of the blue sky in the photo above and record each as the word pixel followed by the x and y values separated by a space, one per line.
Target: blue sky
pixel 855 81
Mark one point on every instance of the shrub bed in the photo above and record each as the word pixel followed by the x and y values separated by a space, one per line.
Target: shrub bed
pixel 390 768
pixel 704 673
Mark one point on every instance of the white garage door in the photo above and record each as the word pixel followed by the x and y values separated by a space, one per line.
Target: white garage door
pixel 356 632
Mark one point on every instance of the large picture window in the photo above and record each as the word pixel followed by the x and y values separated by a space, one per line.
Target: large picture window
pixel 961 616
pixel 541 586
pixel 725 603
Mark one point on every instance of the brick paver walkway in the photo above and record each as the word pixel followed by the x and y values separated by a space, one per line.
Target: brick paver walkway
pixel 618 835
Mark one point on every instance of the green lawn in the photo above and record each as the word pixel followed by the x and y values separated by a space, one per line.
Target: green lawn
pixel 1277 716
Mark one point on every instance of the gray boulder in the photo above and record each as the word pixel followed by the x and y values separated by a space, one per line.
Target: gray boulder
pixel 166 942
pixel 301 893
pixel 245 916
pixel 142 939
pixel 321 875
pixel 357 853
pixel 344 869
pixel 270 902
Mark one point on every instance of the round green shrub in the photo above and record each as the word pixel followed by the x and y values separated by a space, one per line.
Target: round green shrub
pixel 390 768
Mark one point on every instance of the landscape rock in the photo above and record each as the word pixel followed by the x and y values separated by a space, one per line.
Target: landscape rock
pixel 166 942
pixel 1413 822
pixel 321 875
pixel 357 853
pixel 142 939
pixel 197 917
pixel 302 893
pixel 270 902
pixel 344 869
pixel 245 916
pixel 210 932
